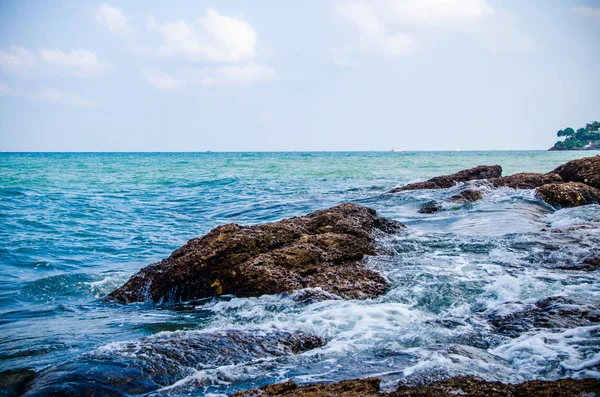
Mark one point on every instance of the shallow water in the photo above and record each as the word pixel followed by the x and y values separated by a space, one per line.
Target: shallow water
pixel 75 226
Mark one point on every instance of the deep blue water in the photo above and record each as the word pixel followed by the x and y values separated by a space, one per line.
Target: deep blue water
pixel 74 226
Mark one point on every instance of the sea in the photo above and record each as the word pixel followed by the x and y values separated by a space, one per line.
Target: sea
pixel 466 282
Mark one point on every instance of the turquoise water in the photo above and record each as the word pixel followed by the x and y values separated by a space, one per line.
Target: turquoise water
pixel 75 226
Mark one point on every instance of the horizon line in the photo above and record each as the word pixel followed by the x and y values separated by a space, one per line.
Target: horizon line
pixel 286 151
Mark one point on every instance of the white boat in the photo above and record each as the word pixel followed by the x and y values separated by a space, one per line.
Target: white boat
pixel 458 149
pixel 396 150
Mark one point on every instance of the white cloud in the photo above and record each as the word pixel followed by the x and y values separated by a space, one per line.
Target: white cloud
pixel 229 74
pixel 114 19
pixel 61 97
pixel 372 31
pixel 16 58
pixel 214 38
pixel 392 27
pixel 79 63
pixel 162 81
pixel 430 12
pixel 589 12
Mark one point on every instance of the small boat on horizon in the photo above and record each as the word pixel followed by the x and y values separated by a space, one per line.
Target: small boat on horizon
pixel 397 150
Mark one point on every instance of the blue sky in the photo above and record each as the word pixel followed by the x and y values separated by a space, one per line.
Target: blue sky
pixel 252 75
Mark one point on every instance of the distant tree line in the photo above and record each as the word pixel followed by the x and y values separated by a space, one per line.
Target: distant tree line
pixel 583 138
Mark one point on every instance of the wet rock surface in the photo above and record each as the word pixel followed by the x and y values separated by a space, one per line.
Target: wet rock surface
pixel 460 386
pixel 570 194
pixel 446 181
pixel 14 381
pixel 592 263
pixel 323 249
pixel 430 208
pixel 585 170
pixel 142 366
pixel 553 312
pixel 467 196
pixel 526 180
pixel 349 388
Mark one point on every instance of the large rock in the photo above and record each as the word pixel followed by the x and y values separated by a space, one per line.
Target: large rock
pixel 446 181
pixel 323 249
pixel 526 180
pixel 570 194
pixel 467 386
pixel 585 170
pixel 139 367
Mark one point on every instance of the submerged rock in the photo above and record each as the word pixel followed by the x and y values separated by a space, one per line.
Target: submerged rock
pixel 13 382
pixel 467 196
pixel 467 386
pixel 129 368
pixel 526 180
pixel 430 208
pixel 592 263
pixel 323 249
pixel 585 170
pixel 570 194
pixel 588 265
pixel 446 181
pixel 553 312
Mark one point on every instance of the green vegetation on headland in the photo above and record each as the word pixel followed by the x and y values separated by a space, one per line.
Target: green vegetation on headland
pixel 587 138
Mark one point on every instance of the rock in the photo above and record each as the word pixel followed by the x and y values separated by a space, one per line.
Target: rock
pixel 559 388
pixel 368 387
pixel 467 386
pixel 14 381
pixel 585 170
pixel 446 181
pixel 129 368
pixel 323 249
pixel 526 180
pixel 588 265
pixel 467 196
pixel 430 208
pixel 552 312
pixel 570 194
pixel 592 263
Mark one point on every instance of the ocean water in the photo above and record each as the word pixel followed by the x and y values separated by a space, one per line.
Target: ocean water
pixel 73 227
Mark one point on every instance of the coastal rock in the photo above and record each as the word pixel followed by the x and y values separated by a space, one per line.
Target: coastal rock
pixel 368 387
pixel 14 381
pixel 592 263
pixel 570 194
pixel 588 265
pixel 526 180
pixel 430 208
pixel 467 386
pixel 552 312
pixel 323 249
pixel 130 368
pixel 467 196
pixel 446 181
pixel 585 170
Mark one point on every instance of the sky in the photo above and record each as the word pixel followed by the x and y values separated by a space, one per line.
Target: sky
pixel 311 75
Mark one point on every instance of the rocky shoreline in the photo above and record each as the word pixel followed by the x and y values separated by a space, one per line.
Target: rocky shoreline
pixel 572 184
pixel 316 257
pixel 460 386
